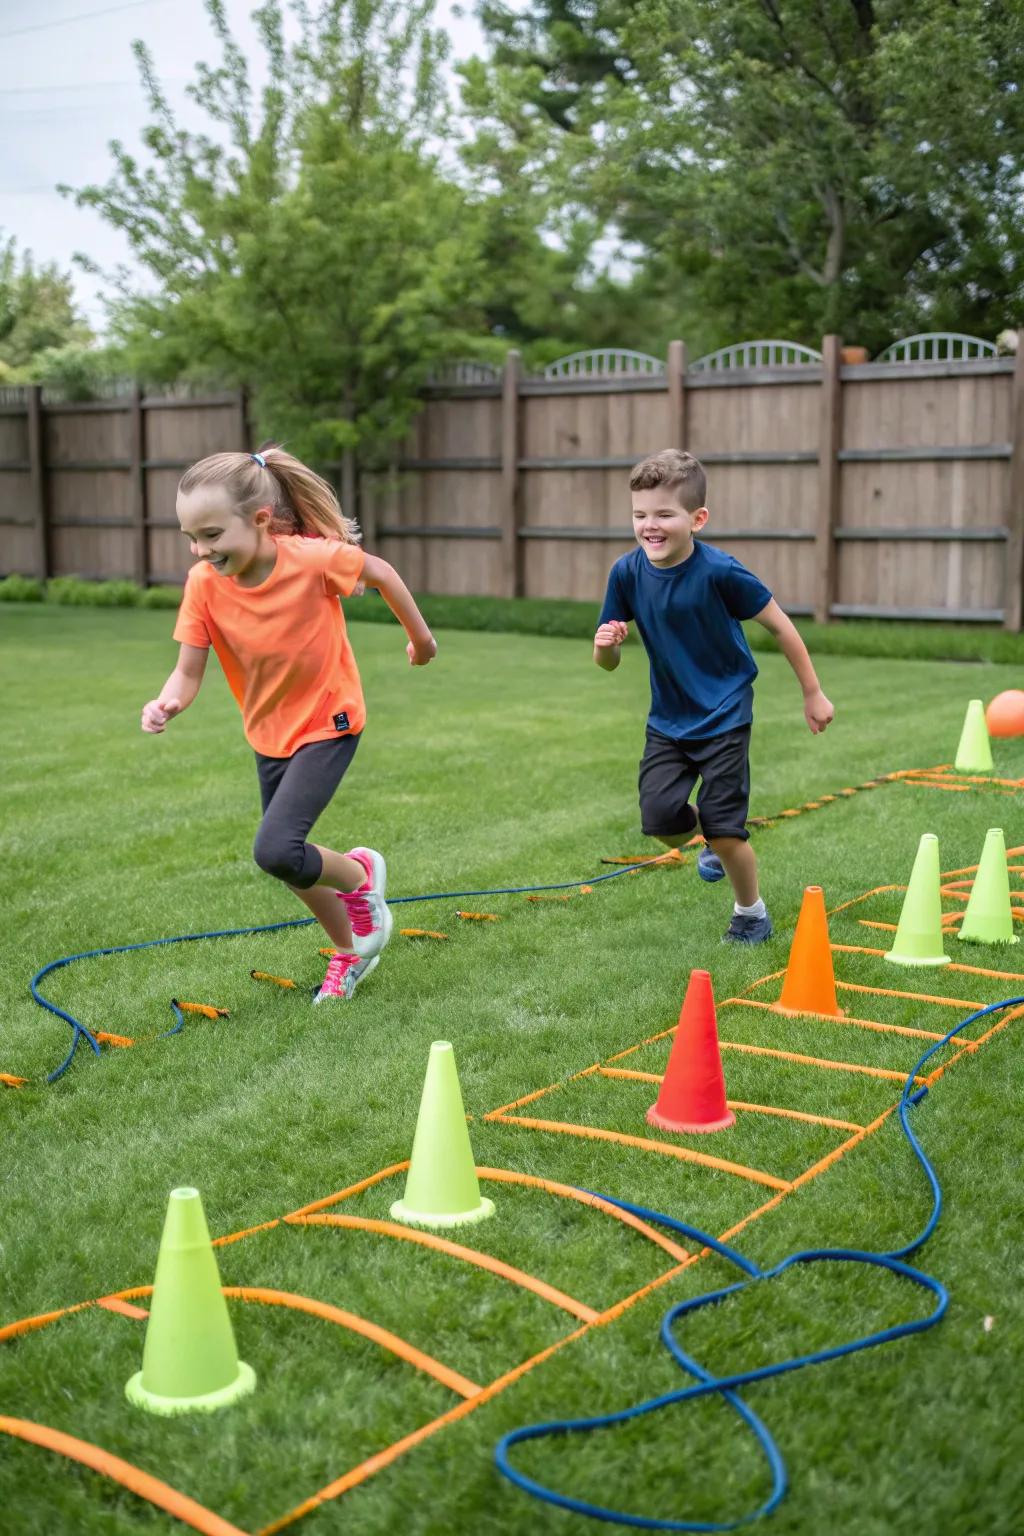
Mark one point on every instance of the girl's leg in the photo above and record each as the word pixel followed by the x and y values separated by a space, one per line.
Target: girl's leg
pixel 295 791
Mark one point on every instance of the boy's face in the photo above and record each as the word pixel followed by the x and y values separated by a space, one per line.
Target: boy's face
pixel 664 529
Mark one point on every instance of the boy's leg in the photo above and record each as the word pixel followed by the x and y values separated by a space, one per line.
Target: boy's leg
pixel 740 864
pixel 667 777
pixel 722 804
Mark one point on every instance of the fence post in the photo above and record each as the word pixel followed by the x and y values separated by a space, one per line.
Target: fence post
pixel 137 482
pixel 829 433
pixel 37 482
pixel 511 508
pixel 675 368
pixel 349 477
pixel 1013 601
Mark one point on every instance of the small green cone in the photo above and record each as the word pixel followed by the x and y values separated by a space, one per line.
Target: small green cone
pixel 974 754
pixel 441 1188
pixel 189 1362
pixel 988 919
pixel 918 938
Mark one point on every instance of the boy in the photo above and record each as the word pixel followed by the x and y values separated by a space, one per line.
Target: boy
pixel 687 601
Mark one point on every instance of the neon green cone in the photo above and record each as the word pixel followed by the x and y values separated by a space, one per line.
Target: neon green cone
pixel 988 919
pixel 441 1188
pixel 974 754
pixel 189 1362
pixel 919 935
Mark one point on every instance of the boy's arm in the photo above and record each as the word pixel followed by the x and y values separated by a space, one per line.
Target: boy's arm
pixel 818 710
pixel 378 573
pixel 607 641
pixel 178 691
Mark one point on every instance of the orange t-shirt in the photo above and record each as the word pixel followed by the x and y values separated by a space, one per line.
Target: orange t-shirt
pixel 283 645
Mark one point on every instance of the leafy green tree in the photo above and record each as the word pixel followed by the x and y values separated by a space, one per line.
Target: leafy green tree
pixel 37 311
pixel 312 246
pixel 786 166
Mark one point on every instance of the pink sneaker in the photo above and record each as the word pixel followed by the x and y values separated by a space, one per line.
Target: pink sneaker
pixel 344 973
pixel 367 910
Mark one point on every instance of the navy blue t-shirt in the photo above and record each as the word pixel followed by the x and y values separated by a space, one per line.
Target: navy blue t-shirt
pixel 688 617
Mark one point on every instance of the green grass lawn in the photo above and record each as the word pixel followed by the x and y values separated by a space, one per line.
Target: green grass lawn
pixel 510 761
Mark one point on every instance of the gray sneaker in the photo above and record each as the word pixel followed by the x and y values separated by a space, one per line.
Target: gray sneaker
pixel 748 930
pixel 344 973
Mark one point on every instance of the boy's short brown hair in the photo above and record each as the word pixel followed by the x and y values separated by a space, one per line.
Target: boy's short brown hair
pixel 676 471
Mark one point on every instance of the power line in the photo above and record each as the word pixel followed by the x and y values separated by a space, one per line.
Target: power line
pixel 63 21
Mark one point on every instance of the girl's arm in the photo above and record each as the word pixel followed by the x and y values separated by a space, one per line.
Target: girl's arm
pixel 178 691
pixel 377 573
pixel 818 710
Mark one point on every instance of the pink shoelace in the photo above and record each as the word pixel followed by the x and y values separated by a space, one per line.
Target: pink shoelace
pixel 358 909
pixel 338 968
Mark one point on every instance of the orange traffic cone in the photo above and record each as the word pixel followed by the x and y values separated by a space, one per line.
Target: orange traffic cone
pixel 692 1096
pixel 810 984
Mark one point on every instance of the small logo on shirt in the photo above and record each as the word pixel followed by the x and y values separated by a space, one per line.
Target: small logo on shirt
pixel 341 722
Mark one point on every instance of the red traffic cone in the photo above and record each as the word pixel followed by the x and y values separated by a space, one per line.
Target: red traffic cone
pixel 692 1096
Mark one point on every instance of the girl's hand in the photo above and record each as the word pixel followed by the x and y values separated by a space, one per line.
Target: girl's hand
pixel 612 633
pixel 156 714
pixel 420 652
pixel 818 711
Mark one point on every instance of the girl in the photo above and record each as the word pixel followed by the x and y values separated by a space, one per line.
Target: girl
pixel 274 555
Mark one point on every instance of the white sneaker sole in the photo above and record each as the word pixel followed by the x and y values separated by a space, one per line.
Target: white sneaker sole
pixel 368 944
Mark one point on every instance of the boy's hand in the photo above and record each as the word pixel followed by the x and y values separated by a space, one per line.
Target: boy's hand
pixel 420 652
pixel 156 714
pixel 818 711
pixel 612 633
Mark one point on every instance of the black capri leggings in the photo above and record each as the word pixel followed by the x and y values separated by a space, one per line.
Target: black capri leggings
pixel 295 791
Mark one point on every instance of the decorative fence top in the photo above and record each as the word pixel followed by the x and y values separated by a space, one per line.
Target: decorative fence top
pixel 464 371
pixel 757 354
pixel 937 347
pixel 601 363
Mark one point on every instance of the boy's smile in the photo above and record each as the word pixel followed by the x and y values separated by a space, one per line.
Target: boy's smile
pixel 664 529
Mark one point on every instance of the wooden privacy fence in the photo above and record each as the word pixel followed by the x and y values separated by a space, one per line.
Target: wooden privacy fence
pixel 892 489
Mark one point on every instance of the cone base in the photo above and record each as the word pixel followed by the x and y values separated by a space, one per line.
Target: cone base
pixel 807 1013
pixel 401 1212
pixel 688 1126
pixel 976 938
pixel 207 1402
pixel 973 767
pixel 916 960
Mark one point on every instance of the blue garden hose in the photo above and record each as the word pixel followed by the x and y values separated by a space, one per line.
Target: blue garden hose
pixel 726 1386
pixel 82 1033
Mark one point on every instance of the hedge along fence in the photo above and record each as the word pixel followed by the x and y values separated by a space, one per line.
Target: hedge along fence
pixel 892 489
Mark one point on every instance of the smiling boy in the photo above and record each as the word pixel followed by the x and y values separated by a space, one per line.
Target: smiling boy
pixel 687 601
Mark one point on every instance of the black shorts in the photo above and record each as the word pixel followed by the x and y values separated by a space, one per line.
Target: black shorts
pixel 669 770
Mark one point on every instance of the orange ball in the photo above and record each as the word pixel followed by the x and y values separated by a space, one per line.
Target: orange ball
pixel 1005 715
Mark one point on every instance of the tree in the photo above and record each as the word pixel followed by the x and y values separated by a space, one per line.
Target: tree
pixel 310 247
pixel 37 312
pixel 791 165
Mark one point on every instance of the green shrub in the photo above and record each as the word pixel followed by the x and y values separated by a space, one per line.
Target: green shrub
pixel 73 592
pixel 21 589
pixel 160 597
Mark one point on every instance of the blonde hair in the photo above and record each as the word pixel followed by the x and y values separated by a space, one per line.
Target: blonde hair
pixel 299 499
pixel 676 471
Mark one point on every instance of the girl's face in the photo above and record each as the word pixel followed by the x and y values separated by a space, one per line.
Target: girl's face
pixel 217 535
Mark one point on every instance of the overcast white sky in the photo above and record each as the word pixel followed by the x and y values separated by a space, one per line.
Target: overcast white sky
pixel 69 86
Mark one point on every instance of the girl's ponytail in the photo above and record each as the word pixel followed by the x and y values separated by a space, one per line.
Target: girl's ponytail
pixel 306 504
pixel 301 500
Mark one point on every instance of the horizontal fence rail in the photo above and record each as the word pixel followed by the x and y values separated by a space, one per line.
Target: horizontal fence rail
pixel 891 488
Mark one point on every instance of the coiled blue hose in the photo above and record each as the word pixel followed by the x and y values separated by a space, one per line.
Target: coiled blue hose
pixel 725 1386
